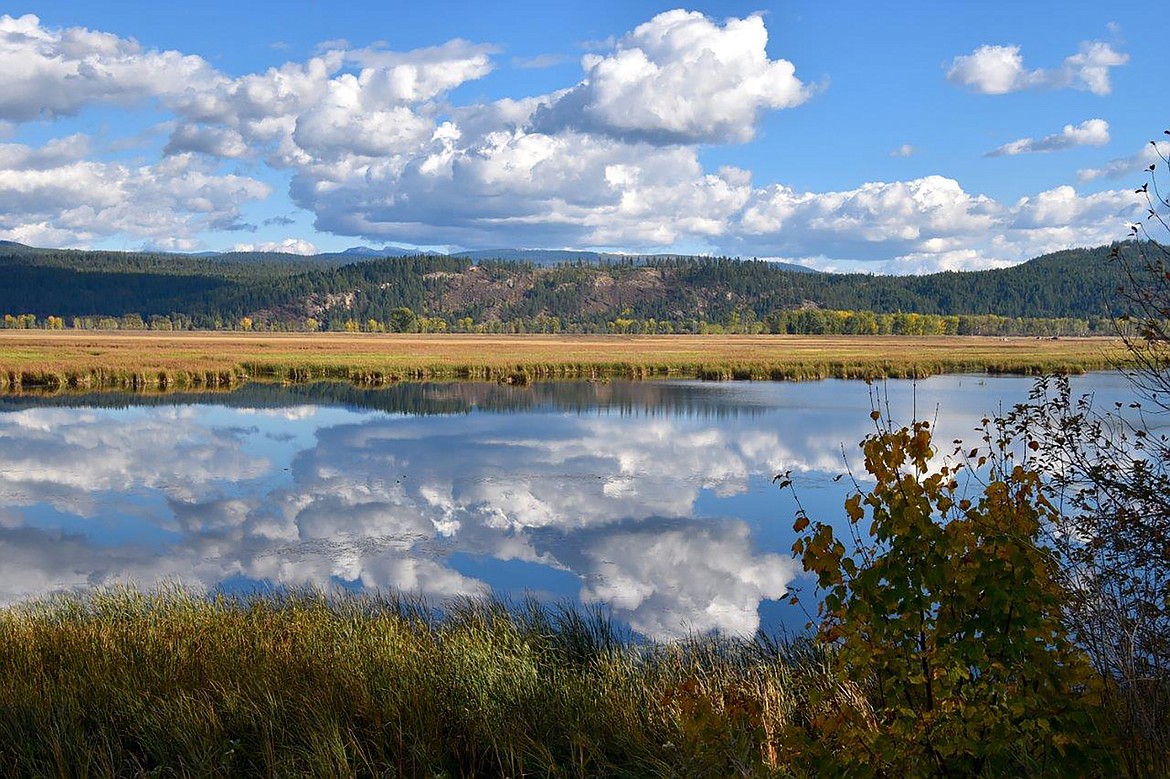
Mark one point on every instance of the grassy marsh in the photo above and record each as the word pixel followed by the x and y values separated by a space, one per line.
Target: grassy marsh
pixel 172 683
pixel 156 361
pixel 119 682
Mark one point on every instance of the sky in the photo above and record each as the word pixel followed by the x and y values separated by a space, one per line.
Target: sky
pixel 883 137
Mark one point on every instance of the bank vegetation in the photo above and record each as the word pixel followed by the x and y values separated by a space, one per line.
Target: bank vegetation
pixel 78 361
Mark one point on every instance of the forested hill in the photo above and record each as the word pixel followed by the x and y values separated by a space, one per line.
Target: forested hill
pixel 282 291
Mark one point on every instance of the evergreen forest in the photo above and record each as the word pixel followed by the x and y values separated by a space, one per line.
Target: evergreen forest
pixel 1071 292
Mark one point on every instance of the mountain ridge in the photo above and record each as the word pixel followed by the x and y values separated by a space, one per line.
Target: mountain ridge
pixel 577 289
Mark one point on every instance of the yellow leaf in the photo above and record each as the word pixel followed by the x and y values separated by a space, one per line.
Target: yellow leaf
pixel 853 508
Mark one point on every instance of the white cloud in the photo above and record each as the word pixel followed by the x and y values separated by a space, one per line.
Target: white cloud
pixel 539 61
pixel 421 74
pixel 52 196
pixel 559 189
pixel 288 246
pixel 1059 218
pixel 1091 132
pixel 876 219
pixel 1089 68
pixel 54 72
pixel 374 150
pixel 998 70
pixel 679 78
pixel 924 225
pixel 321 112
pixel 1062 206
pixel 585 190
pixel 993 70
pixel 905 150
pixel 210 140
pixel 1154 152
pixel 56 152
pixel 257 112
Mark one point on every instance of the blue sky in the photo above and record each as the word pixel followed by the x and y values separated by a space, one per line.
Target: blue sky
pixel 894 137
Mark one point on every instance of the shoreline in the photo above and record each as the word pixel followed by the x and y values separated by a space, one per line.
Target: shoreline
pixel 78 361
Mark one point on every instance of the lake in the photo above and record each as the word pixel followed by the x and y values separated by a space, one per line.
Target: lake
pixel 654 500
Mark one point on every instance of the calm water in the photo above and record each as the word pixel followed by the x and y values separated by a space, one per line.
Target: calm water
pixel 655 499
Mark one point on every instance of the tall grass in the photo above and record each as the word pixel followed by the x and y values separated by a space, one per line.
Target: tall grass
pixel 148 361
pixel 118 682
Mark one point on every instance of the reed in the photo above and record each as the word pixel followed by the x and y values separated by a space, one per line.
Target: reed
pixel 121 682
pixel 172 682
pixel 78 360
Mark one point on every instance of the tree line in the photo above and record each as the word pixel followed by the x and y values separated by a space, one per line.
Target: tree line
pixel 788 322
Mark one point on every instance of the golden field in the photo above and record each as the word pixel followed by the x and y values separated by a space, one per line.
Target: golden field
pixel 68 360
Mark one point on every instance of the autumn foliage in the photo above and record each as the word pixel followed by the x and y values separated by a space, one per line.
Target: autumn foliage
pixel 946 607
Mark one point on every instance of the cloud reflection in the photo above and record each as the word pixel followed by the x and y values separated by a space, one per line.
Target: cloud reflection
pixel 646 511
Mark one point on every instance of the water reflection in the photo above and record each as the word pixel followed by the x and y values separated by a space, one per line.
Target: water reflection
pixel 653 398
pixel 652 498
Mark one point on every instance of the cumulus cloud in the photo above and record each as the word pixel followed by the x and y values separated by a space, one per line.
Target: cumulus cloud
pixel 55 72
pixel 421 74
pixel 1091 132
pixel 925 225
pixel 1152 153
pixel 679 78
pixel 998 70
pixel 55 153
pixel 374 148
pixel 1061 217
pixel 875 219
pixel 51 195
pixel 213 141
pixel 1056 209
pixel 905 150
pixel 288 246
pixel 367 102
pixel 558 189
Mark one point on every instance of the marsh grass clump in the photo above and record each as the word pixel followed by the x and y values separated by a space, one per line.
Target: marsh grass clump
pixel 121 682
pixel 71 361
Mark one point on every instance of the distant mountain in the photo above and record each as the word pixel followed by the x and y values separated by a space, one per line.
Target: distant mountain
pixel 537 257
pixel 9 247
pixel 366 251
pixel 547 257
pixel 357 253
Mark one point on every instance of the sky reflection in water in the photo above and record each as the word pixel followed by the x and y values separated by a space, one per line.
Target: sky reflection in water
pixel 655 498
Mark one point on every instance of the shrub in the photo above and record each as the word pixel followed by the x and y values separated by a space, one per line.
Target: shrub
pixel 949 615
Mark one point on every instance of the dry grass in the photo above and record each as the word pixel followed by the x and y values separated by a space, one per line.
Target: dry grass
pixel 87 360
pixel 174 683
pixel 120 683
